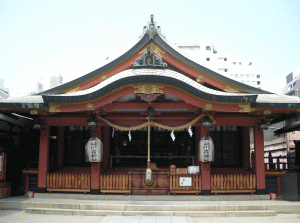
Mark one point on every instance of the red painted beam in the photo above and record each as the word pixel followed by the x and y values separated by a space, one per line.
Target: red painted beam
pixel 186 69
pixel 110 73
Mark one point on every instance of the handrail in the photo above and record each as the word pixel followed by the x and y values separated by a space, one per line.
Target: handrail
pixel 280 163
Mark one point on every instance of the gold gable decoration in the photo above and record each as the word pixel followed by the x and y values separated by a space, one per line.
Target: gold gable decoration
pixel 246 108
pixel 90 106
pixel 232 90
pixel 199 79
pixel 153 49
pixel 54 108
pixel 148 89
pixel 208 106
pixel 72 90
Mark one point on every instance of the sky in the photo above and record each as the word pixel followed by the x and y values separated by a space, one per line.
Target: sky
pixel 39 39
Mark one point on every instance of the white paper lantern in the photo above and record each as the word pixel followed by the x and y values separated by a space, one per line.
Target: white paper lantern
pixel 94 150
pixel 206 150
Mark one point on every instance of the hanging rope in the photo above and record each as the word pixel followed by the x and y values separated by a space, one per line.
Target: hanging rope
pixel 170 128
pixel 148 139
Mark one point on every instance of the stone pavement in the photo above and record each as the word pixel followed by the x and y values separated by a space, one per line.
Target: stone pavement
pixel 17 216
pixel 12 210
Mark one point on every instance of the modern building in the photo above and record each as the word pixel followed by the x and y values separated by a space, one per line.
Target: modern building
pixel 240 70
pixel 134 125
pixel 277 141
pixel 39 87
pixel 56 80
pixel 4 92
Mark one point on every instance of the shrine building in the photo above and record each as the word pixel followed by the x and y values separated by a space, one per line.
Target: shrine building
pixel 150 107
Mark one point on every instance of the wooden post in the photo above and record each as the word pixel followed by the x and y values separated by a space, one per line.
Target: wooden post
pixel 43 159
pixel 205 167
pixel 259 160
pixel 96 167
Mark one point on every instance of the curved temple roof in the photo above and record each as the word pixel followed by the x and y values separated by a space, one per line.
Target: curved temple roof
pixel 154 34
pixel 125 77
pixel 156 76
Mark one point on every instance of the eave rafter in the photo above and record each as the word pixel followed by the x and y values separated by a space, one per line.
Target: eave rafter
pixel 107 99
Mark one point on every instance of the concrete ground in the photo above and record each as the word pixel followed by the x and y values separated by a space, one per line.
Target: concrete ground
pixel 17 216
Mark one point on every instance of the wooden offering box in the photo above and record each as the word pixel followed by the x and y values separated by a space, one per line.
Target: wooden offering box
pixel 181 171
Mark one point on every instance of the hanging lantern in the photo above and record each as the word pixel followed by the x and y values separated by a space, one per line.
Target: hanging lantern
pixel 94 150
pixel 263 125
pixel 150 111
pixel 93 122
pixel 38 125
pixel 206 122
pixel 206 150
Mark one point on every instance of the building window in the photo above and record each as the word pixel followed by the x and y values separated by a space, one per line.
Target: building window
pixel 247 75
pixel 208 59
pixel 258 76
pixel 240 63
pixel 242 75
pixel 236 75
pixel 242 81
pixel 258 82
pixel 225 70
pixel 231 75
pixel 208 47
pixel 225 59
pixel 252 76
pixel 250 63
pixel 234 63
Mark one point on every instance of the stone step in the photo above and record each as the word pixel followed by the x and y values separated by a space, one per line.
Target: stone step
pixel 126 207
pixel 250 213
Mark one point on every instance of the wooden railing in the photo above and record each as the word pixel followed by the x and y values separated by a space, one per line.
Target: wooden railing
pixel 68 182
pixel 280 163
pixel 176 188
pixel 115 183
pixel 233 183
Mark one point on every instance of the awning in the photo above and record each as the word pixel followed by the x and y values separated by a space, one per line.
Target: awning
pixel 289 128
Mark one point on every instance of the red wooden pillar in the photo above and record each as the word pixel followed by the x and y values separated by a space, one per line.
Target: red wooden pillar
pixel 43 159
pixel 205 167
pixel 259 160
pixel 96 168
pixel 246 146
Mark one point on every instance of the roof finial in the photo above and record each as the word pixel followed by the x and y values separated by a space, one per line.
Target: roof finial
pixel 151 17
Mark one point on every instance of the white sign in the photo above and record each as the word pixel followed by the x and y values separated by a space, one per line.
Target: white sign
pixel 193 169
pixel 185 181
